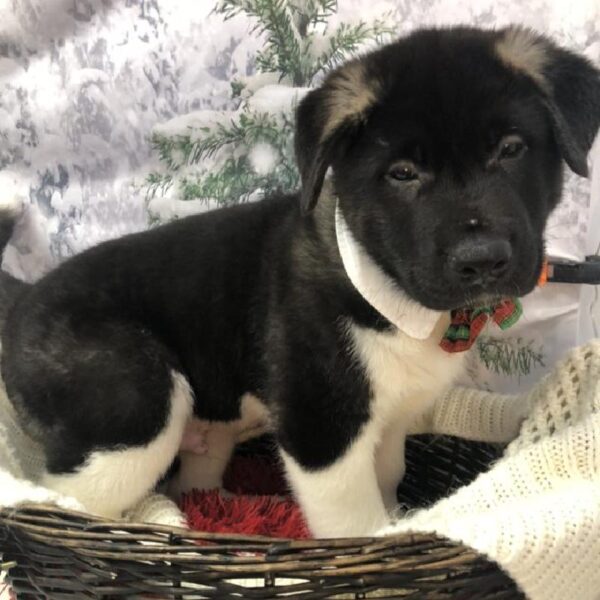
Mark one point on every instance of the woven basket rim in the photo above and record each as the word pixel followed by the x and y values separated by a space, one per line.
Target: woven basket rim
pixel 55 552
pixel 26 514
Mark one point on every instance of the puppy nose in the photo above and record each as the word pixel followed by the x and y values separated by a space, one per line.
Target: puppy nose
pixel 480 259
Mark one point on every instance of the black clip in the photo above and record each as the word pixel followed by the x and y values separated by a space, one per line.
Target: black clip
pixel 570 271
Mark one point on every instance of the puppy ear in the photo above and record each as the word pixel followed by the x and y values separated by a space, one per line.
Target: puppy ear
pixel 570 86
pixel 325 118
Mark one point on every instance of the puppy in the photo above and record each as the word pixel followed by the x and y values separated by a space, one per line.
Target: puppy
pixel 320 312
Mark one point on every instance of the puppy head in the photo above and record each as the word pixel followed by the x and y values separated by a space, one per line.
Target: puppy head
pixel 446 149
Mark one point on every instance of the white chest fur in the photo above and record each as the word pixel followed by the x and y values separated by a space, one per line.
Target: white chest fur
pixel 405 374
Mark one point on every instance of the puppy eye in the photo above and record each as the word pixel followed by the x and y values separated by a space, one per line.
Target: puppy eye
pixel 403 171
pixel 511 147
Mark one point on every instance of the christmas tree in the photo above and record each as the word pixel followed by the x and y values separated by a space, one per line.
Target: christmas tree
pixel 225 158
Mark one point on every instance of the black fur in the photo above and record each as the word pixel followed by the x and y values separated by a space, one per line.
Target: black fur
pixel 10 287
pixel 254 298
pixel 572 101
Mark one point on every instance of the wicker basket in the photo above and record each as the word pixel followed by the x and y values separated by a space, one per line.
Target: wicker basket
pixel 52 553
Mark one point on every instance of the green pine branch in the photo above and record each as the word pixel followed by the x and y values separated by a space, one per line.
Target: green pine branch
pixel 510 356
pixel 235 181
pixel 248 129
pixel 346 40
pixel 291 30
pixel 274 18
pixel 158 183
pixel 310 13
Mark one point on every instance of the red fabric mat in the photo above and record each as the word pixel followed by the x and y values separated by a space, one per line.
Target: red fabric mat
pixel 260 504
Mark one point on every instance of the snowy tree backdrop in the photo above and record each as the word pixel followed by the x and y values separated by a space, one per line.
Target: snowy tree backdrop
pixel 116 115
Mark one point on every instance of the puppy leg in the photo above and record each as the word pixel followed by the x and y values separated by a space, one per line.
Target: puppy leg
pixel 208 445
pixel 389 464
pixel 204 470
pixel 113 480
pixel 104 401
pixel 343 499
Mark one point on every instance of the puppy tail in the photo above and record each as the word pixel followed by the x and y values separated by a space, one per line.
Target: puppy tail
pixel 10 287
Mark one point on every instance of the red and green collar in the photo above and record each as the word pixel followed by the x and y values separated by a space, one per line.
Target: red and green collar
pixel 467 323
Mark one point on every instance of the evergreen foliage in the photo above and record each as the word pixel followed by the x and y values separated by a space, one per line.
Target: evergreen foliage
pixel 214 162
pixel 509 356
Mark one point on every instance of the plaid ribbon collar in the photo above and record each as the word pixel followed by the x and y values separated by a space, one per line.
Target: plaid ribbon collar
pixel 467 323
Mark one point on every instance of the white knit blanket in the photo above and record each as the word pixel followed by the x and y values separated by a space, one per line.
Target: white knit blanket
pixel 536 512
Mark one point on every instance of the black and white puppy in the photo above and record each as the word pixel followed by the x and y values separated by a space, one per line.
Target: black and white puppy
pixel 323 311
